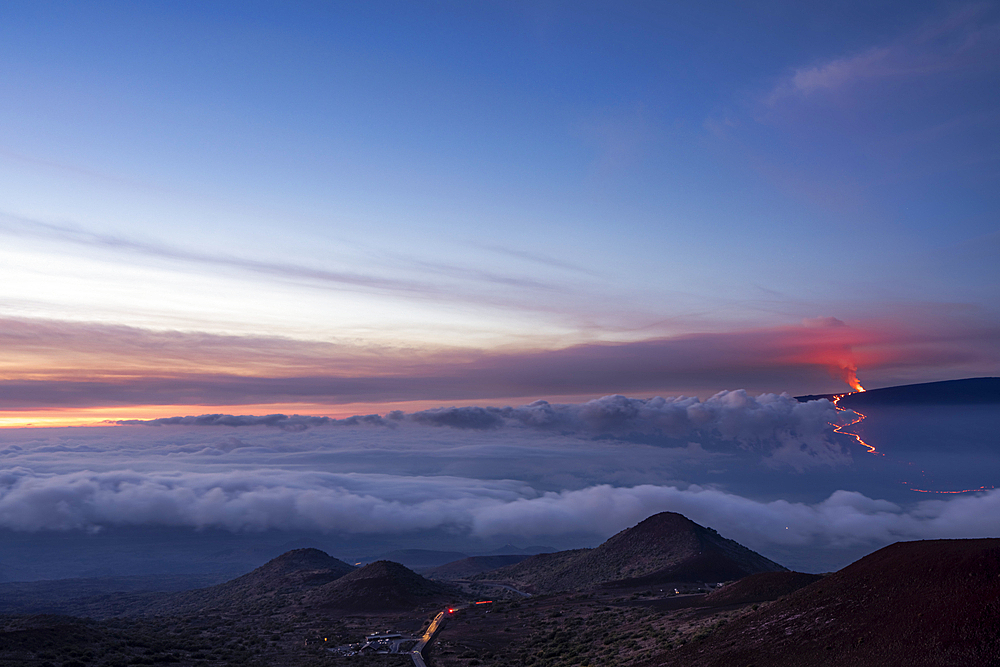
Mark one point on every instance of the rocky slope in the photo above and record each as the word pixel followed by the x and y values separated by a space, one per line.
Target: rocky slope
pixel 380 586
pixel 760 587
pixel 666 547
pixel 928 603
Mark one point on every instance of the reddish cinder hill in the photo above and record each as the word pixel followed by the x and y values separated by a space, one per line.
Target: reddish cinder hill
pixel 931 603
pixel 760 587
pixel 293 563
pixel 666 547
pixel 381 586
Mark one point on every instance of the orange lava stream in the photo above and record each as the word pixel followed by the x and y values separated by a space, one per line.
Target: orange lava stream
pixel 871 448
pixel 840 429
pixel 981 488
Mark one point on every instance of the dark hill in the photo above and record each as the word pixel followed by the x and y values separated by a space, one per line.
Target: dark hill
pixel 974 391
pixel 666 547
pixel 971 391
pixel 924 604
pixel 380 586
pixel 289 575
pixel 760 587
pixel 292 563
pixel 467 567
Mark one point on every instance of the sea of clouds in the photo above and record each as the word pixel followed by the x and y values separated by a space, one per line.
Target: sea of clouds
pixel 767 471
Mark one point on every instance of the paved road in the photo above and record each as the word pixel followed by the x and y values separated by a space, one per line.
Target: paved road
pixel 505 586
pixel 417 652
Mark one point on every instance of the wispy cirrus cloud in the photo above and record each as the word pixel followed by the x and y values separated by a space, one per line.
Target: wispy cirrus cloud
pixel 882 131
pixel 381 281
pixel 965 40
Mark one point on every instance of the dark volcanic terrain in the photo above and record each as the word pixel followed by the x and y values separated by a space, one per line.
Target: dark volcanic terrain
pixel 970 391
pixel 381 586
pixel 760 587
pixel 641 599
pixel 666 547
pixel 933 603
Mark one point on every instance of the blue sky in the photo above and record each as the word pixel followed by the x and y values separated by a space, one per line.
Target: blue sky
pixel 436 184
pixel 336 209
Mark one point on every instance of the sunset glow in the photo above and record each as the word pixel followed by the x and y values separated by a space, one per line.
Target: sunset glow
pixel 463 275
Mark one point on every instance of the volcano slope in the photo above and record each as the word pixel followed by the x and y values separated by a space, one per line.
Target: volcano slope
pixel 760 587
pixel 666 547
pixel 930 603
pixel 289 575
pixel 378 587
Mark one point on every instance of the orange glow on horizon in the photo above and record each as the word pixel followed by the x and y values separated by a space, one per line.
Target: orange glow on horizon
pixel 91 416
pixel 106 415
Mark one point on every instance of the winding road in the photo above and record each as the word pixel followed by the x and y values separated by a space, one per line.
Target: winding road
pixel 417 651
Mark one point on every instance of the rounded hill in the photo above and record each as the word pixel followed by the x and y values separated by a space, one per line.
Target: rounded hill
pixel 666 547
pixel 381 586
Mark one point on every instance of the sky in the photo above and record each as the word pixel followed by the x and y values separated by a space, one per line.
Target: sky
pixel 333 209
pixel 337 209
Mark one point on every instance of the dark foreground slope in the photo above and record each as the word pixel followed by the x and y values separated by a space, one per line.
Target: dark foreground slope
pixel 380 586
pixel 760 587
pixel 666 547
pixel 930 603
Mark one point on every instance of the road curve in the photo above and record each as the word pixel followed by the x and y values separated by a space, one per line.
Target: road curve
pixel 417 651
pixel 497 584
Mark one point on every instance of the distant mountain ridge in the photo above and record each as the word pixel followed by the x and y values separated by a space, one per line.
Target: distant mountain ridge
pixel 970 391
pixel 666 547
pixel 418 559
pixel 473 565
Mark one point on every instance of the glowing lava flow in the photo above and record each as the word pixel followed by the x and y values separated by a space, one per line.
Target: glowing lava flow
pixel 981 488
pixel 871 449
pixel 840 429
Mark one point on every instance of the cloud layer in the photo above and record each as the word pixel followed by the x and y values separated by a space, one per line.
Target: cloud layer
pixel 364 504
pixel 768 471
pixel 786 430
